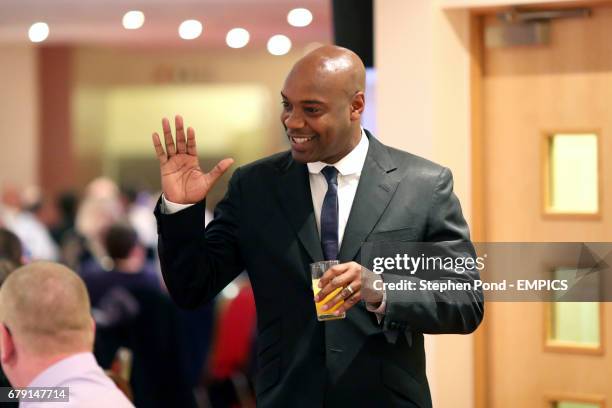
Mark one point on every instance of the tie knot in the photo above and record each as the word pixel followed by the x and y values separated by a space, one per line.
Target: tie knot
pixel 331 174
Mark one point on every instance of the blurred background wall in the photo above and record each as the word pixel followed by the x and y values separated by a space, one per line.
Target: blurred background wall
pixel 19 114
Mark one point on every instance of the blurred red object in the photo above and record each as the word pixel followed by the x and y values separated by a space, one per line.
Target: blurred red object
pixel 234 335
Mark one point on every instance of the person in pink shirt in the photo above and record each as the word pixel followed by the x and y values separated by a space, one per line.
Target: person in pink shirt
pixel 47 335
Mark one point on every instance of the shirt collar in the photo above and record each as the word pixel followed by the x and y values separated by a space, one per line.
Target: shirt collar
pixel 72 366
pixel 352 163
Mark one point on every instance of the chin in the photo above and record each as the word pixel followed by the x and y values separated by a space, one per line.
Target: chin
pixel 298 157
pixel 302 157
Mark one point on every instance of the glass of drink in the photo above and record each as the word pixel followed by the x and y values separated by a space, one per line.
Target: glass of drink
pixel 317 270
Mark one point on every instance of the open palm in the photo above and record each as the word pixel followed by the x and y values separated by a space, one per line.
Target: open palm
pixel 182 179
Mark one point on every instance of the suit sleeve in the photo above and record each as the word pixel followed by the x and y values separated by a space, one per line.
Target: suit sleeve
pixel 197 263
pixel 436 312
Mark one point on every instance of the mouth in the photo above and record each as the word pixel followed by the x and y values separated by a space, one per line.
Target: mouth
pixel 300 140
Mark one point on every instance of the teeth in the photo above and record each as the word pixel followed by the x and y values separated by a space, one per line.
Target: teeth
pixel 300 140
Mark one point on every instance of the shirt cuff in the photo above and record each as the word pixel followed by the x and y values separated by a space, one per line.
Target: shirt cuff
pixel 380 310
pixel 168 207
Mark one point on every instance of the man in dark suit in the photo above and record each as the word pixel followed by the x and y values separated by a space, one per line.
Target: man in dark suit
pixel 337 188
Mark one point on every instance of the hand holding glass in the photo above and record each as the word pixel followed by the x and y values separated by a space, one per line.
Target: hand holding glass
pixel 317 270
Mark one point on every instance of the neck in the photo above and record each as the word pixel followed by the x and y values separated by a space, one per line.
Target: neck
pixel 128 265
pixel 353 142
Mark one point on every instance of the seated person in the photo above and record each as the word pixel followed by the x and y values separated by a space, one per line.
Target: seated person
pixel 132 311
pixel 47 334
pixel 130 269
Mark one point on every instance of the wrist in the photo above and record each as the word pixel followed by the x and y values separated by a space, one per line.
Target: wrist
pixel 174 199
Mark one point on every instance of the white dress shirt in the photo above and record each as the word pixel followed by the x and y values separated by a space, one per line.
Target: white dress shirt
pixel 349 171
pixel 88 385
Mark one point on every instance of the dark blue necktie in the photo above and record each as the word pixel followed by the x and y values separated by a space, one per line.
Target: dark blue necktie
pixel 329 215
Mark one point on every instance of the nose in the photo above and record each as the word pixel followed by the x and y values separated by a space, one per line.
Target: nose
pixel 292 120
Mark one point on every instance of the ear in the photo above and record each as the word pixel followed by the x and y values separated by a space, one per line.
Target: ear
pixel 357 105
pixel 7 346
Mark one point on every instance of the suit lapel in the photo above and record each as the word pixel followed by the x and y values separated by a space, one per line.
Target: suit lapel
pixel 377 185
pixel 293 193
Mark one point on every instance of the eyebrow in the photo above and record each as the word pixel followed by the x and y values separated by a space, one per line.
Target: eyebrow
pixel 306 101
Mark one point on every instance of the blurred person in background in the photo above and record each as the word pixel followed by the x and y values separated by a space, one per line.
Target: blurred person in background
pixel 44 209
pixel 139 205
pixel 46 337
pixel 66 204
pixel 11 248
pixel 6 267
pixel 37 241
pixel 11 257
pixel 130 267
pixel 132 311
pixel 99 209
pixel 64 233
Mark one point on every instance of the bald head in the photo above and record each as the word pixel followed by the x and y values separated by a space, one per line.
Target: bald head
pixel 46 307
pixel 333 66
pixel 323 99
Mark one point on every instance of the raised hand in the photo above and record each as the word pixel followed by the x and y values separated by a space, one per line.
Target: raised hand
pixel 182 179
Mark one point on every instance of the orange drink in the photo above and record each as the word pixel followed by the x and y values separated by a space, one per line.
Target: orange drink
pixel 317 270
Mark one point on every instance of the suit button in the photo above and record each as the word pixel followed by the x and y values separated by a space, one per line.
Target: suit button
pixel 393 325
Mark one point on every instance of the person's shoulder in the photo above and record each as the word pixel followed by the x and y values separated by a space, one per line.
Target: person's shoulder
pixel 413 166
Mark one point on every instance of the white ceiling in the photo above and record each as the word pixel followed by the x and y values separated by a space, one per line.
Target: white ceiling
pixel 98 22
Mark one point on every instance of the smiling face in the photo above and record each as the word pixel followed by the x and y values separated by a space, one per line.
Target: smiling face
pixel 322 103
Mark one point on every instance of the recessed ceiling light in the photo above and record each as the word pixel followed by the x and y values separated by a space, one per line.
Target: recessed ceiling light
pixel 299 17
pixel 279 45
pixel 133 20
pixel 38 32
pixel 190 29
pixel 237 37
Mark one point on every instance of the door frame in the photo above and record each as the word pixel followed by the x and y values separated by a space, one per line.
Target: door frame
pixel 478 175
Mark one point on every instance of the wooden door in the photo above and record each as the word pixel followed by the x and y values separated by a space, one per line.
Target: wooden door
pixel 529 94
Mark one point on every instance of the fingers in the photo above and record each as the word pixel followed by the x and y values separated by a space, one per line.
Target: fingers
pixel 218 170
pixel 181 144
pixel 331 273
pixel 340 281
pixel 346 296
pixel 334 277
pixel 170 149
pixel 337 279
pixel 191 143
pixel 159 149
pixel 348 303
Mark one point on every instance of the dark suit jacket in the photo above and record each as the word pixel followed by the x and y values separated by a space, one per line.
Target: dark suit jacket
pixel 266 225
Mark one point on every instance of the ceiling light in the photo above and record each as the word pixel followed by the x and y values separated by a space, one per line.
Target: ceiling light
pixel 190 29
pixel 38 32
pixel 237 38
pixel 279 45
pixel 133 20
pixel 299 17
